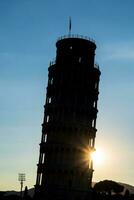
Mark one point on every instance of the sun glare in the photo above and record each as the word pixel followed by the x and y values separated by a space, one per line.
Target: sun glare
pixel 98 157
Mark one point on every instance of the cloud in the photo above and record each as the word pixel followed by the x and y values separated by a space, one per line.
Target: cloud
pixel 120 51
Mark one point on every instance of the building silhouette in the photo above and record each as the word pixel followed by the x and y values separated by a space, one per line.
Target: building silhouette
pixel 65 165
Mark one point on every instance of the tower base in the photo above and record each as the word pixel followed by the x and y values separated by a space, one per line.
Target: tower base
pixel 54 193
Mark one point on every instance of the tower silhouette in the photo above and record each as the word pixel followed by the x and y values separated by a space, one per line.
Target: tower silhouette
pixel 65 165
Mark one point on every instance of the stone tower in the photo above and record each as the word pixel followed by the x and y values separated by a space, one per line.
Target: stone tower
pixel 65 166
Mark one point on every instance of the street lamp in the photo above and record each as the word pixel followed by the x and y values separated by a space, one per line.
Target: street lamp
pixel 21 178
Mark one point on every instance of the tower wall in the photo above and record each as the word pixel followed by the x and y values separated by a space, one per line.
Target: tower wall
pixel 65 166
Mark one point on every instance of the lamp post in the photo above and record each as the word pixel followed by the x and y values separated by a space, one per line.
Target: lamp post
pixel 21 179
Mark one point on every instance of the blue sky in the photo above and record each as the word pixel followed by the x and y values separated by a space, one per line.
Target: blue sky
pixel 28 32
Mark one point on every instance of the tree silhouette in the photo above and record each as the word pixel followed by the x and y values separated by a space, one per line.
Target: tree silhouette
pixel 108 186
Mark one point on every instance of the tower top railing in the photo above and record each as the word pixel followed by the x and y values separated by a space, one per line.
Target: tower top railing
pixel 96 65
pixel 53 62
pixel 76 36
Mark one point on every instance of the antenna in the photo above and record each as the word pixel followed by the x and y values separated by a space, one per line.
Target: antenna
pixel 70 25
pixel 21 178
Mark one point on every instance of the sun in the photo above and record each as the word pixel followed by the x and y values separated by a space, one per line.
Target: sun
pixel 98 157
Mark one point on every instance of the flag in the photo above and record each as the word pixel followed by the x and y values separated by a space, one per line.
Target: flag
pixel 69 24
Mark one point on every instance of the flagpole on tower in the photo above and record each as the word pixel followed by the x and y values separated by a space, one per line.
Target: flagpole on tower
pixel 70 25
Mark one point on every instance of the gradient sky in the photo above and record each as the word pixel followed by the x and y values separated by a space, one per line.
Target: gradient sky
pixel 28 32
